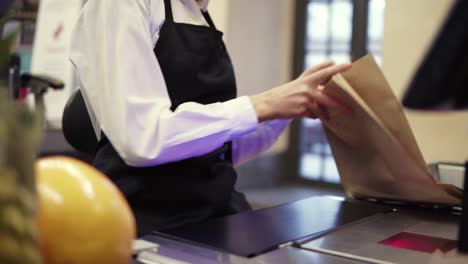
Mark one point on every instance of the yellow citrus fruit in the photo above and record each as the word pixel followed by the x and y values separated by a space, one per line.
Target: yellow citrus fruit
pixel 83 218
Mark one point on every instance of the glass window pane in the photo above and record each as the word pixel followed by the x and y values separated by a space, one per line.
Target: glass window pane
pixel 309 122
pixel 375 29
pixel 317 148
pixel 341 20
pixel 340 57
pixel 314 58
pixel 311 166
pixel 329 32
pixel 316 45
pixel 374 46
pixel 340 46
pixel 317 23
pixel 312 141
pixel 376 19
pixel 331 172
pixel 328 150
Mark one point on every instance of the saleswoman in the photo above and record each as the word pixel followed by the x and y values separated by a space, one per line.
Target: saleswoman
pixel 160 89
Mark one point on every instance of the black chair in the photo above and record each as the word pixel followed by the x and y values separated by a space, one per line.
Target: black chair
pixel 77 127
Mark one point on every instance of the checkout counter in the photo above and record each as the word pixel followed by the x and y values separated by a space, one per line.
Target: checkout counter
pixel 314 230
pixel 322 229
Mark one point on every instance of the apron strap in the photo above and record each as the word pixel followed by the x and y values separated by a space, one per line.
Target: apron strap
pixel 208 19
pixel 168 9
pixel 169 16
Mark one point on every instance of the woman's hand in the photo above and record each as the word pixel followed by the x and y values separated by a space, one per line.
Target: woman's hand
pixel 302 97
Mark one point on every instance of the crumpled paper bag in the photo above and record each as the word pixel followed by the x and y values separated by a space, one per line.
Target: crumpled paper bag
pixel 375 151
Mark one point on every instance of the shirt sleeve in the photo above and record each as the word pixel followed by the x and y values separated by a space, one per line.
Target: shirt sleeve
pixel 120 77
pixel 248 146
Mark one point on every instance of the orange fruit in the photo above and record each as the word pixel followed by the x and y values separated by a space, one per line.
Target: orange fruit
pixel 83 217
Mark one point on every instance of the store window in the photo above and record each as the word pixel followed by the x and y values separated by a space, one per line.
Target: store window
pixel 341 30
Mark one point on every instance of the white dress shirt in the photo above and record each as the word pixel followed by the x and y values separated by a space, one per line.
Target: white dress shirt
pixel 126 95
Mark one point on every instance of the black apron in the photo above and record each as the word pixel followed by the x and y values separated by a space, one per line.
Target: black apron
pixel 196 68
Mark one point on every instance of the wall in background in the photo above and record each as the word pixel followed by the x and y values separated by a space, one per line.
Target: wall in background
pixel 259 37
pixel 219 12
pixel 409 29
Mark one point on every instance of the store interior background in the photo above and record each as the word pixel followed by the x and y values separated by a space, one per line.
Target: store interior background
pixel 262 38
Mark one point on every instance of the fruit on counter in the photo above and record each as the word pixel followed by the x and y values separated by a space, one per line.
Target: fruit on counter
pixel 83 217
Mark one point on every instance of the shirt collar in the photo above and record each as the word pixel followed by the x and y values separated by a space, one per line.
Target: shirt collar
pixel 200 4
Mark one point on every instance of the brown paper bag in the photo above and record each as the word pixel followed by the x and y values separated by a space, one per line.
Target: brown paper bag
pixel 375 151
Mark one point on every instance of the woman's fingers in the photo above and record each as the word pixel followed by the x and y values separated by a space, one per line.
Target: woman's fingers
pixel 324 75
pixel 312 111
pixel 301 97
pixel 324 102
pixel 318 67
pixel 318 111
